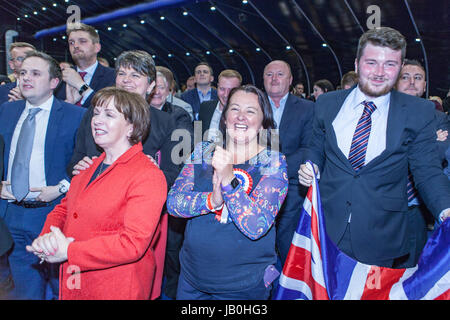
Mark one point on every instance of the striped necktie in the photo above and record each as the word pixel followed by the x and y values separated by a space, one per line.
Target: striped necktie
pixel 411 190
pixel 357 155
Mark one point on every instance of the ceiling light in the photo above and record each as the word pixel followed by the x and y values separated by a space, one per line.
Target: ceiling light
pixel 142 21
pixel 212 8
pixel 288 47
pixel 185 13
pixel 208 52
pixel 162 18
pixel 124 25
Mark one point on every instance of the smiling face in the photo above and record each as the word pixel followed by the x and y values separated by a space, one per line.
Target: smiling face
pixel 412 80
pixel 378 70
pixel 161 93
pixel 110 129
pixel 35 82
pixel 243 117
pixel 224 87
pixel 132 81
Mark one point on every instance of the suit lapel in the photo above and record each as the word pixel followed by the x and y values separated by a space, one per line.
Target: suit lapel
pixel 10 126
pixel 395 125
pixel 330 116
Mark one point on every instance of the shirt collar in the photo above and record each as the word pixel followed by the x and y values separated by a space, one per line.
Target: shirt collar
pixel 201 93
pixel 282 101
pixel 90 70
pixel 47 105
pixel 381 102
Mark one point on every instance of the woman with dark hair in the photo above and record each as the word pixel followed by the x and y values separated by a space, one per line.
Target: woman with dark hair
pixel 105 229
pixel 321 87
pixel 232 195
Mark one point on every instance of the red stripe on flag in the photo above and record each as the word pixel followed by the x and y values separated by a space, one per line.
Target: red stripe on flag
pixel 298 266
pixel 379 282
pixel 444 296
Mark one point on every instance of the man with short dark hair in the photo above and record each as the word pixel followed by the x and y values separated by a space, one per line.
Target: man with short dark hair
pixel 39 134
pixel 211 111
pixel 203 92
pixel 363 141
pixel 89 76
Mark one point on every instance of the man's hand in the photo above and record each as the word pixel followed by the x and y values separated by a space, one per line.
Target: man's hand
pixel 5 194
pixel 305 175
pixel 15 94
pixel 83 164
pixel 445 214
pixel 72 78
pixel 47 194
pixel 441 135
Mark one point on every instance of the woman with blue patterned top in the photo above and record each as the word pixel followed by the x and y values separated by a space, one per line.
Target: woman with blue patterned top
pixel 231 196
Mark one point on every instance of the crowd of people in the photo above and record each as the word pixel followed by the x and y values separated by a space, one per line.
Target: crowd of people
pixel 117 186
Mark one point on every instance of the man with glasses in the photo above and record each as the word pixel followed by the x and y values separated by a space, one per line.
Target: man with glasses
pixel 17 52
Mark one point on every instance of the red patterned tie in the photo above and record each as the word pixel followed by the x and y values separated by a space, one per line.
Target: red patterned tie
pixel 357 155
pixel 82 74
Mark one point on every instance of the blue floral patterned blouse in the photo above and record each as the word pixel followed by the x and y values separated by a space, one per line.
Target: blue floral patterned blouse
pixel 229 252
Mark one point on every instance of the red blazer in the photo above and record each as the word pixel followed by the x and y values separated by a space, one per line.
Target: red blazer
pixel 113 221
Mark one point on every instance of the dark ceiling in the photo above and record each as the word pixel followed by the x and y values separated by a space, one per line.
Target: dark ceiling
pixel 317 37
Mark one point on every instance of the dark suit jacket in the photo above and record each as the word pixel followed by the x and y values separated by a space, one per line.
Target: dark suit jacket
pixel 295 132
pixel 206 112
pixel 159 139
pixel 6 240
pixel 103 77
pixel 59 139
pixel 191 97
pixel 375 197
pixel 4 91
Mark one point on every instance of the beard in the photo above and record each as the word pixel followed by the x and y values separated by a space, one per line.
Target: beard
pixel 374 92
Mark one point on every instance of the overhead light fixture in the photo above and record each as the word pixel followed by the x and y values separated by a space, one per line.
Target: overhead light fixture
pixel 258 49
pixel 35 12
pixel 212 8
pixel 44 8
pixel 288 47
pixel 109 28
pixel 142 21
pixel 231 51
pixel 208 52
pixel 170 55
pixel 185 13
pixel 324 45
pixel 162 18
pixel 188 54
pixel 124 25
pixel 153 56
pixel 418 40
pixel 26 16
pixel 18 18
pixel 244 1
pixel 55 4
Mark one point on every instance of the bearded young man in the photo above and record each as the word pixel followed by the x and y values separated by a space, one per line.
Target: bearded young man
pixel 363 141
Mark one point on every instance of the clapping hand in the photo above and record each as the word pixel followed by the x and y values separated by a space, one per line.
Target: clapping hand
pixel 51 247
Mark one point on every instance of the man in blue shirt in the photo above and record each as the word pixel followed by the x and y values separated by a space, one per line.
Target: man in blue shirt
pixel 204 92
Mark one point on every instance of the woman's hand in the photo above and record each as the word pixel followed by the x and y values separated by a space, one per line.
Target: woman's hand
pixel 83 164
pixel 222 162
pixel 51 247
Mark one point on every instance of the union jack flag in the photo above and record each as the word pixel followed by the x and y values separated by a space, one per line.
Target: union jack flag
pixel 315 269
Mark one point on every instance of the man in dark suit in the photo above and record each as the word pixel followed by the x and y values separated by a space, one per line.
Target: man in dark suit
pixel 80 84
pixel 293 117
pixel 211 111
pixel 203 92
pixel 363 141
pixel 39 134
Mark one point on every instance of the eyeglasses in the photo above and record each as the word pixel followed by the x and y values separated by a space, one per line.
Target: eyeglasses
pixel 18 59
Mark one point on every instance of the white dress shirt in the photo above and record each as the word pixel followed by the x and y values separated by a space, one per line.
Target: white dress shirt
pixel 37 160
pixel 87 79
pixel 347 118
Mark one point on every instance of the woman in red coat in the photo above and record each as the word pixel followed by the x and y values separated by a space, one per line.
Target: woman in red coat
pixel 104 228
